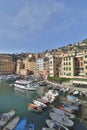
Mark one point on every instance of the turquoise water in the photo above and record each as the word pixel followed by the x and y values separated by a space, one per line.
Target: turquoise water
pixel 18 99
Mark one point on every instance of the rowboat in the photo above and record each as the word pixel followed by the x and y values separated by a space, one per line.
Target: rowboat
pixel 34 107
pixel 21 125
pixel 64 113
pixel 45 128
pixel 55 125
pixel 39 104
pixel 12 123
pixel 5 117
pixel 43 99
pixel 68 108
pixel 30 126
pixel 62 119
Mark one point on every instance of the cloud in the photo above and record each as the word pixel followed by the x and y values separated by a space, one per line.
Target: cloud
pixel 34 16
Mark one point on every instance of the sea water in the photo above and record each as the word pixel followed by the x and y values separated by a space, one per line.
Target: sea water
pixel 19 99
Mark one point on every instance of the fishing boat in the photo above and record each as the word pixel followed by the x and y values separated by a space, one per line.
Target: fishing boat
pixel 59 111
pixel 30 126
pixel 5 117
pixel 34 107
pixel 40 104
pixel 62 119
pixel 12 123
pixel 55 125
pixel 26 85
pixel 21 125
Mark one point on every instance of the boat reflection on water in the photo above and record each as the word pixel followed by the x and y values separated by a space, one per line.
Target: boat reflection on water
pixel 28 94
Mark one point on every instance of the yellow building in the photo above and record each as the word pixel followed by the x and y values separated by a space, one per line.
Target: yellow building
pixel 67 67
pixel 54 65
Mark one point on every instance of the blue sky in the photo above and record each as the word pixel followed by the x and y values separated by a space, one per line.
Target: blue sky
pixel 39 25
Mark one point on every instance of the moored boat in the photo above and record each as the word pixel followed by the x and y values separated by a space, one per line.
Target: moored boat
pixel 12 124
pixel 68 108
pixel 55 125
pixel 43 100
pixel 26 85
pixel 62 119
pixel 21 125
pixel 34 107
pixel 5 117
pixel 39 104
pixel 59 111
pixel 30 126
pixel 45 128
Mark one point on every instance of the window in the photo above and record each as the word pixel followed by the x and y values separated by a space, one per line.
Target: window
pixel 69 58
pixel 85 56
pixel 85 67
pixel 69 68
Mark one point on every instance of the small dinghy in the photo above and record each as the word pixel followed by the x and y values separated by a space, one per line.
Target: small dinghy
pixel 5 117
pixel 59 111
pixel 30 126
pixel 39 104
pixel 34 107
pixel 55 125
pixel 21 125
pixel 12 124
pixel 62 119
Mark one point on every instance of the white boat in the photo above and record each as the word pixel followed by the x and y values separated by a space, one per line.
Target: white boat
pixel 45 128
pixel 72 99
pixel 12 123
pixel 56 125
pixel 50 97
pixel 39 104
pixel 42 83
pixel 27 85
pixel 53 92
pixel 6 117
pixel 58 111
pixel 62 119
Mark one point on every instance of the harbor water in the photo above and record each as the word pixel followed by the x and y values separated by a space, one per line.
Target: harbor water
pixel 18 99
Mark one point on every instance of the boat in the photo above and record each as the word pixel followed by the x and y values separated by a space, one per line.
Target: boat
pixel 30 126
pixel 34 107
pixel 55 125
pixel 43 100
pixel 53 92
pixel 59 111
pixel 40 104
pixel 45 128
pixel 72 98
pixel 5 117
pixel 12 123
pixel 62 119
pixel 21 125
pixel 26 85
pixel 68 108
pixel 42 83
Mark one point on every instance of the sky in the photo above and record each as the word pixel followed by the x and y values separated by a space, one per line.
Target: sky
pixel 39 25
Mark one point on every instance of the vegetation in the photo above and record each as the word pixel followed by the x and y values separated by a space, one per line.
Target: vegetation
pixel 58 79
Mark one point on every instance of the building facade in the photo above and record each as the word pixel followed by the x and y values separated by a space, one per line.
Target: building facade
pixel 7 65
